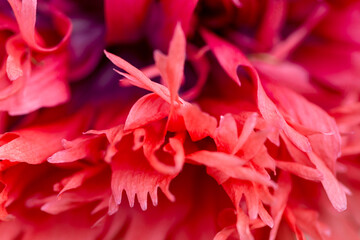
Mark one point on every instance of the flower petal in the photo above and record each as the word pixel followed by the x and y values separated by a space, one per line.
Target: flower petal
pixel 147 109
pixel 230 58
pixel 23 147
pixel 132 173
pixel 198 123
pixel 226 134
pixel 138 78
pixel 300 170
pixel 25 13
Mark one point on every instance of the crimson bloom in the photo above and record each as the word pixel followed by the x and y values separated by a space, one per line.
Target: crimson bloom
pixel 221 119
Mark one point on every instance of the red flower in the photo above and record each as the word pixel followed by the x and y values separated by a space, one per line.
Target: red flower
pixel 244 115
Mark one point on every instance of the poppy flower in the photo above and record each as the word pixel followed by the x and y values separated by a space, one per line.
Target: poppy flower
pixel 179 119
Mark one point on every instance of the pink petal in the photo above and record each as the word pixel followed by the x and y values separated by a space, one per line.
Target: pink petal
pixel 284 48
pixel 278 207
pixel 300 170
pixel 23 147
pixel 248 128
pixel 226 134
pixel 147 109
pixel 80 148
pixel 16 49
pixel 254 144
pixel 230 58
pixel 138 78
pixel 215 159
pixel 171 67
pixel 326 146
pixel 176 61
pixel 225 233
pixel 227 55
pixel 198 123
pixel 308 220
pixel 279 72
pixel 25 13
pixel 132 173
pixel 242 226
pixel 333 188
pixel 77 179
pixel 169 159
pixel 292 222
pixel 265 216
pixel 53 87
pixel 113 135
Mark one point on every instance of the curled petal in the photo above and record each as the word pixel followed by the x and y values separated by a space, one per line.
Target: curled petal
pixel 25 13
pixel 147 109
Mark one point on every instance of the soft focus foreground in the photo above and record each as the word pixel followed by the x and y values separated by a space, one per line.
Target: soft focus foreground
pixel 231 120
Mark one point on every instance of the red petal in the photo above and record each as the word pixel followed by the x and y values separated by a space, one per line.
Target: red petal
pixel 25 13
pixel 333 188
pixel 172 152
pixel 230 58
pixel 15 50
pixel 176 61
pixel 138 78
pixel 171 67
pixel 308 221
pixel 80 148
pixel 242 226
pixel 216 159
pixel 292 222
pixel 225 233
pixel 284 48
pixel 331 27
pixel 222 166
pixel 326 146
pixel 198 123
pixel 147 109
pixel 225 136
pixel 265 216
pixel 248 128
pixel 254 145
pixel 132 173
pixel 113 135
pixel 279 72
pixel 53 87
pixel 77 179
pixel 300 170
pixel 26 148
pixel 278 207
